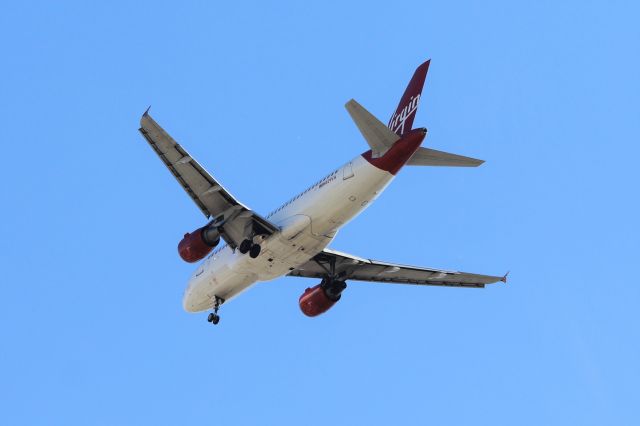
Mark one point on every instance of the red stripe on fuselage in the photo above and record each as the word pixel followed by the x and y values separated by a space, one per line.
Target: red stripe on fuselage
pixel 396 157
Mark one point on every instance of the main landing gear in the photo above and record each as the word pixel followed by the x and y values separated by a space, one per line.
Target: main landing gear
pixel 250 247
pixel 213 317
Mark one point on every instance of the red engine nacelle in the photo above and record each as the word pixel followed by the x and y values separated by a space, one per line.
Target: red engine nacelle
pixel 317 300
pixel 196 245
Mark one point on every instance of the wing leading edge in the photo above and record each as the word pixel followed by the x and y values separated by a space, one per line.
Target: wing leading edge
pixel 349 267
pixel 236 220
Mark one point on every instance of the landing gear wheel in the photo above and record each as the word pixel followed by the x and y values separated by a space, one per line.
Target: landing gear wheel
pixel 213 317
pixel 245 246
pixel 255 251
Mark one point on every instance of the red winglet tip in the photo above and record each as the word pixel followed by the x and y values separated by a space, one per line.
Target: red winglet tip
pixel 504 279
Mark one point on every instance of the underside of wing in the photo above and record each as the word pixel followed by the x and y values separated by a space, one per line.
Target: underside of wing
pixel 348 267
pixel 203 189
pixel 234 220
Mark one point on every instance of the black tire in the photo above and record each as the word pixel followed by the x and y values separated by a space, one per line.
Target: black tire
pixel 255 251
pixel 245 246
pixel 216 319
pixel 210 317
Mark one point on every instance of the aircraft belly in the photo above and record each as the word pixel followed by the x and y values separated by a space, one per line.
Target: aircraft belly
pixel 228 273
pixel 281 254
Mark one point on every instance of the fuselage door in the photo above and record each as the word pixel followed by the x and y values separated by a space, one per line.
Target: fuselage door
pixel 347 171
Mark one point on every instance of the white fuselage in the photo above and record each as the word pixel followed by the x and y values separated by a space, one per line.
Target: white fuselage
pixel 307 225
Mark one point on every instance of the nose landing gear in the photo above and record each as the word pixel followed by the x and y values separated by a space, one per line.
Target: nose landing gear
pixel 213 317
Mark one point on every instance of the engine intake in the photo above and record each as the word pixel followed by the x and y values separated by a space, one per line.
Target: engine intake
pixel 319 299
pixel 196 245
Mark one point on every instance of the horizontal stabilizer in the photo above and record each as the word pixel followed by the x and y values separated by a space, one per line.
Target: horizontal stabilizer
pixel 431 157
pixel 377 135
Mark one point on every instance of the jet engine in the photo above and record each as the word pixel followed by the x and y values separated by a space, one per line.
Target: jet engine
pixel 196 245
pixel 317 300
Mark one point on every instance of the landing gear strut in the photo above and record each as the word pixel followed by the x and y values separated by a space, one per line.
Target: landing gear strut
pixel 213 317
pixel 333 288
pixel 250 247
pixel 333 283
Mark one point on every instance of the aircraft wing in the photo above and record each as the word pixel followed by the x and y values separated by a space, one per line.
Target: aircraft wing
pixel 236 220
pixel 349 267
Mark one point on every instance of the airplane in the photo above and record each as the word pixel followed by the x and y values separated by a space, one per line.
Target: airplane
pixel 292 240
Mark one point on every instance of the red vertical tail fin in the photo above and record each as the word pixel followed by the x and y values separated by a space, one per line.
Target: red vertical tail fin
pixel 402 120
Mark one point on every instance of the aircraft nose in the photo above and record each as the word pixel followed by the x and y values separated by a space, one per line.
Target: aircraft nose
pixel 185 299
pixel 188 302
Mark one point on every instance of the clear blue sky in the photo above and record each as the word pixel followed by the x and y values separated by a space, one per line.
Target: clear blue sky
pixel 91 325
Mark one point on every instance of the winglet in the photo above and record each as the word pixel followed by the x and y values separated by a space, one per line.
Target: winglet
pixel 144 120
pixel 504 279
